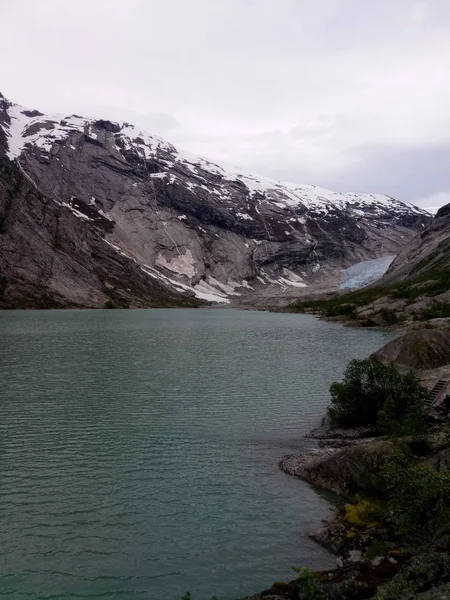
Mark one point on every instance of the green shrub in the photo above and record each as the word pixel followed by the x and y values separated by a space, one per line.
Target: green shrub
pixel 372 393
pixel 309 586
pixel 390 317
pixel 365 514
pixel 407 420
pixel 418 496
pixel 283 589
pixel 347 310
pixel 378 548
pixel 440 310
pixel 116 303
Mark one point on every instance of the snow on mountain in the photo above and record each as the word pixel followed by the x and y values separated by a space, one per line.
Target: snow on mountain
pixel 191 225
pixel 32 128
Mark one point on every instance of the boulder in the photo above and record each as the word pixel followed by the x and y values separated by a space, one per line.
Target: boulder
pixel 419 350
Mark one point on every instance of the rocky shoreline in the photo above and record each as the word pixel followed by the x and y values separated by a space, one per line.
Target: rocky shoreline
pixel 367 566
pixel 353 577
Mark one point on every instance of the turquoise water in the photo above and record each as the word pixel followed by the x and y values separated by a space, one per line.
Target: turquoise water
pixel 139 449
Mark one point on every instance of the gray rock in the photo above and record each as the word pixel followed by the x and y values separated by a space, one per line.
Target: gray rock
pixel 429 251
pixel 355 556
pixel 420 350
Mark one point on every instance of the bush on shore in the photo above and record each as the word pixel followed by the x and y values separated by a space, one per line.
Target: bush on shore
pixel 375 394
pixel 418 496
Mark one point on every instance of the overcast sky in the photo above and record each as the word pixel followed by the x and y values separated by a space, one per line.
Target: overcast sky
pixel 348 94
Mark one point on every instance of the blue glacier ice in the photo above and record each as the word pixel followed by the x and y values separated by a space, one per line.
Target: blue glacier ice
pixel 365 272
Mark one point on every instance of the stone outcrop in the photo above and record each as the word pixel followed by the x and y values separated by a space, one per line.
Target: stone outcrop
pixel 342 471
pixel 49 258
pixel 428 252
pixel 419 350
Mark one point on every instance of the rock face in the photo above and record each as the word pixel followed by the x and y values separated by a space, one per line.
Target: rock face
pixel 93 211
pixel 420 350
pixel 343 471
pixel 429 251
pixel 51 258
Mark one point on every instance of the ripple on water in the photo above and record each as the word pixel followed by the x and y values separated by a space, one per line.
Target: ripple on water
pixel 139 449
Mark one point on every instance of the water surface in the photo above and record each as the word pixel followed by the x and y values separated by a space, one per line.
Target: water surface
pixel 139 449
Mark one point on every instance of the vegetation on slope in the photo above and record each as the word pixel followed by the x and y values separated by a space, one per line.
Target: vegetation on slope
pixel 399 518
pixel 427 285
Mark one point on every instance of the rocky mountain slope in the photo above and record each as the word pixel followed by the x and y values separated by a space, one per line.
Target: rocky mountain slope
pixel 415 289
pixel 95 212
pixel 429 251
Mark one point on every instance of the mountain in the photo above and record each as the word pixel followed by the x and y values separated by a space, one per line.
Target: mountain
pixel 94 212
pixel 415 289
pixel 428 252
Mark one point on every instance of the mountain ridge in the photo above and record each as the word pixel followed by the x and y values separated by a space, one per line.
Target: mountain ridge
pixel 187 223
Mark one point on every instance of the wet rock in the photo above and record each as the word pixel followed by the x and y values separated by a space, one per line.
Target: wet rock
pixel 331 536
pixel 343 471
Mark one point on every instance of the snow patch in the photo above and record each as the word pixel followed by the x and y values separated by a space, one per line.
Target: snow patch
pixel 244 216
pixel 227 288
pixel 206 292
pixel 76 212
pixel 100 212
pixel 118 249
pixel 292 279
pixel 312 200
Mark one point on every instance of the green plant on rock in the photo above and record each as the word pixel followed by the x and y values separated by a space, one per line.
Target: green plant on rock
pixel 282 588
pixel 378 548
pixel 418 496
pixel 424 572
pixel 365 514
pixel 404 420
pixel 429 283
pixel 389 316
pixel 309 587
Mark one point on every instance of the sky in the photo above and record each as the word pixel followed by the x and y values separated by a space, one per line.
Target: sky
pixel 346 94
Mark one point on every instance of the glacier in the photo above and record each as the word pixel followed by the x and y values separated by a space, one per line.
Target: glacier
pixel 365 272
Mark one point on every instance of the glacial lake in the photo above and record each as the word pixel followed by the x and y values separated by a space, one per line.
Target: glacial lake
pixel 139 449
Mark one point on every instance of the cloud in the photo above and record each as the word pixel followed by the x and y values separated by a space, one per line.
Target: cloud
pixel 434 202
pixel 336 92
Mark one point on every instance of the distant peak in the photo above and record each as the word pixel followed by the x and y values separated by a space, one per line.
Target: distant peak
pixel 443 211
